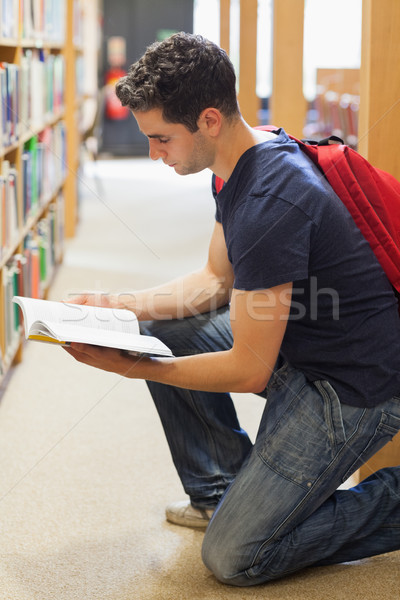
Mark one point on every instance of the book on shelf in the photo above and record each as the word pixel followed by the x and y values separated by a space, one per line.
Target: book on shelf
pixel 30 173
pixel 10 285
pixel 26 19
pixel 30 93
pixel 9 12
pixel 37 88
pixel 3 106
pixel 32 282
pixel 29 271
pixel 10 103
pixel 10 100
pixel 43 167
pixel 43 250
pixel 42 20
pixel 9 230
pixel 25 85
pixel 63 323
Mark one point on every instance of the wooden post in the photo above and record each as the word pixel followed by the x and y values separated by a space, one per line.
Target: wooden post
pixel 379 116
pixel 248 101
pixel 389 456
pixel 224 24
pixel 379 122
pixel 288 105
pixel 71 108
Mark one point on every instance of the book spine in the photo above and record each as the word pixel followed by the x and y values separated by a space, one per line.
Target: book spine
pixel 31 254
pixel 9 19
pixel 9 204
pixel 31 150
pixel 42 77
pixel 4 112
pixel 59 227
pixel 8 103
pixel 43 246
pixel 11 318
pixel 24 94
pixel 2 215
pixel 2 128
pixel 13 221
pixel 43 250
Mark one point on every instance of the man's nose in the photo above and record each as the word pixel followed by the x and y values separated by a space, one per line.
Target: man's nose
pixel 154 151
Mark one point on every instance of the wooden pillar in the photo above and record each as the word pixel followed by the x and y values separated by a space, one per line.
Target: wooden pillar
pixel 379 122
pixel 248 101
pixel 379 116
pixel 389 456
pixel 288 105
pixel 224 24
pixel 71 107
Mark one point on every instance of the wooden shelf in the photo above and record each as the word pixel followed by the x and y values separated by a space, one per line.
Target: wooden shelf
pixel 27 135
pixel 57 210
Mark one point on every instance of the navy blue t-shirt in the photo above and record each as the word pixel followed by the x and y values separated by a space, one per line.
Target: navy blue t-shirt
pixel 283 223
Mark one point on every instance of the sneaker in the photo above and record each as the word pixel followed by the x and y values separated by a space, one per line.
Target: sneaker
pixel 183 513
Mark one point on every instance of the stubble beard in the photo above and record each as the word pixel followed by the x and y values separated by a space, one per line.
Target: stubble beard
pixel 202 157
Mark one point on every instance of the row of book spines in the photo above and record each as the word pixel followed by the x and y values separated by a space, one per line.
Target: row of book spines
pixel 30 93
pixel 28 273
pixel 43 170
pixel 33 19
pixel 43 167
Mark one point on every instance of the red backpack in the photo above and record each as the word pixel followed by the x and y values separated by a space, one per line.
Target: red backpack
pixel 371 195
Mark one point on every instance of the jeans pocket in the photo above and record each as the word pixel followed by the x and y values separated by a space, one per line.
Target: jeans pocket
pixel 388 426
pixel 307 435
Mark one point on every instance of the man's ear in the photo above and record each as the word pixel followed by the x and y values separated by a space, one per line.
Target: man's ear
pixel 210 121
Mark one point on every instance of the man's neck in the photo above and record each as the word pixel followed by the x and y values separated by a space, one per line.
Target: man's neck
pixel 235 139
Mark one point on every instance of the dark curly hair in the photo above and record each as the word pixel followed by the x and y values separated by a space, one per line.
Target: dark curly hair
pixel 182 75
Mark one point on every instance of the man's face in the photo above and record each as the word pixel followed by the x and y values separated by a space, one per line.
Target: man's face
pixel 186 152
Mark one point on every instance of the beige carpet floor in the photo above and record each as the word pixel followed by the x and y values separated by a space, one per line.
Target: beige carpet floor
pixel 85 471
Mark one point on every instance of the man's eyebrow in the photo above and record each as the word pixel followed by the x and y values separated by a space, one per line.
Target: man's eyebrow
pixel 156 136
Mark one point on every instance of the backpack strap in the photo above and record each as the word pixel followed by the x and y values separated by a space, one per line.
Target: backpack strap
pixel 332 139
pixel 371 196
pixel 373 199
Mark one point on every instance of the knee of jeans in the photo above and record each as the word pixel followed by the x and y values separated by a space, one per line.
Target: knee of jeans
pixel 224 561
pixel 218 563
pixel 234 563
pixel 148 327
pixel 167 331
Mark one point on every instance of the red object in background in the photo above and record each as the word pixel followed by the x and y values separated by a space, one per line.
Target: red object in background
pixel 113 107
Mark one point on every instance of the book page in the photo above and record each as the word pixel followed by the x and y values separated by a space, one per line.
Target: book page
pixel 108 327
pixel 111 339
pixel 70 316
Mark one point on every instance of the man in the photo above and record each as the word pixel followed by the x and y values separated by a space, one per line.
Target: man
pixel 293 305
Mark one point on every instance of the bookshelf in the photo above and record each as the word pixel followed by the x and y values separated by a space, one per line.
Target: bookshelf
pixel 41 75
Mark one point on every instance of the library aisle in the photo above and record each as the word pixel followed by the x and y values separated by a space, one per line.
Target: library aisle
pixel 85 472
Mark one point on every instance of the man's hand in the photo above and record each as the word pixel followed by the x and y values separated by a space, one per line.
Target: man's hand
pixel 94 299
pixel 259 320
pixel 107 359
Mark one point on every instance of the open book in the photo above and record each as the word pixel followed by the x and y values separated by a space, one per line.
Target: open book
pixel 62 323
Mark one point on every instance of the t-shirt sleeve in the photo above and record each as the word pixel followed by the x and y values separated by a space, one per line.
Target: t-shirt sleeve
pixel 269 244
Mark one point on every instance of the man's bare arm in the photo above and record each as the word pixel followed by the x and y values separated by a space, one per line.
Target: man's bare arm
pixel 259 320
pixel 197 292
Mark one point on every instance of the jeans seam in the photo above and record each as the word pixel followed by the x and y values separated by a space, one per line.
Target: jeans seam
pixel 210 436
pixel 328 415
pixel 270 466
pixel 364 450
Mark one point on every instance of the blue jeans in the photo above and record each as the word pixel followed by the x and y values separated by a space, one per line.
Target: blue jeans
pixel 278 507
